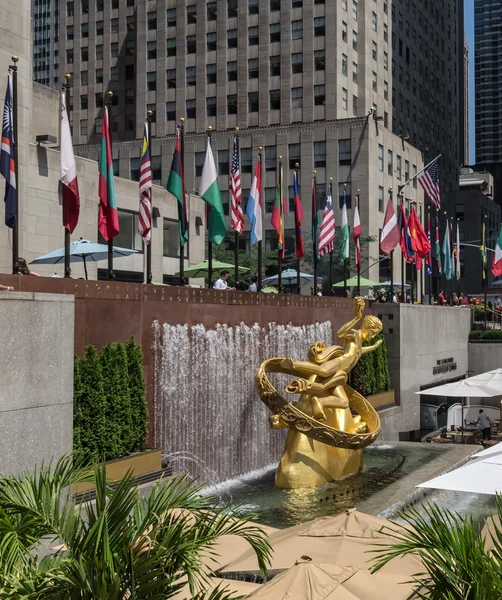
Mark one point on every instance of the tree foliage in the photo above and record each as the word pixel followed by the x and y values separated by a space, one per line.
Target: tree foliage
pixel 371 374
pixel 136 382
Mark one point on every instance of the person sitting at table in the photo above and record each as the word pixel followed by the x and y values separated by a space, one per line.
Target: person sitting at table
pixel 485 425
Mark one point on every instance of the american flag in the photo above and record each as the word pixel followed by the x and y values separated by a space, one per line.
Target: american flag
pixel 327 235
pixel 429 180
pixel 236 192
pixel 7 164
pixel 145 191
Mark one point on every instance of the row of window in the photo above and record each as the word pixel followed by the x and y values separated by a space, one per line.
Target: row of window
pixel 84 6
pixel 399 165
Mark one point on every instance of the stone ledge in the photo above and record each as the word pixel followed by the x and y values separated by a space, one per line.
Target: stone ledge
pixel 31 296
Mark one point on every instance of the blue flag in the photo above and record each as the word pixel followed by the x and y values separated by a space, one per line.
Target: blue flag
pixel 7 164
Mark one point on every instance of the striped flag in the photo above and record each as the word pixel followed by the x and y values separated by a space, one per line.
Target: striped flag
pixel 356 233
pixel 300 248
pixel 7 164
pixel 108 221
pixel 428 258
pixel 429 180
pixel 69 182
pixel 497 257
pixel 254 207
pixel 344 245
pixel 389 238
pixel 176 185
pixel 278 213
pixel 145 191
pixel 236 192
pixel 328 226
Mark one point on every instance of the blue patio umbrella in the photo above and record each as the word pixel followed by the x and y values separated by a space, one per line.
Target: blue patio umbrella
pixel 82 251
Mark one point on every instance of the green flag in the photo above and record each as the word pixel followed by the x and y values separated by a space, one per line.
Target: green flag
pixel 210 192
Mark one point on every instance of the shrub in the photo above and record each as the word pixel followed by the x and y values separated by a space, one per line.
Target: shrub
pixel 139 414
pixel 371 374
pixel 489 334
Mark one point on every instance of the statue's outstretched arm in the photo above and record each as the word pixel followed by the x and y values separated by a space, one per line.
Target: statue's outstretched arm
pixel 347 328
pixel 305 368
pixel 374 346
pixel 302 386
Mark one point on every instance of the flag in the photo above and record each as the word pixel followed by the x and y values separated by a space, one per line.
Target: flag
pixel 210 192
pixel 483 250
pixel 7 164
pixel 437 249
pixel 356 233
pixel 404 235
pixel 236 192
pixel 315 221
pixel 278 213
pixel 328 225
pixel 447 252
pixel 429 180
pixel 419 241
pixel 497 257
pixel 344 244
pixel 300 249
pixel 452 250
pixel 145 191
pixel 108 222
pixel 457 255
pixel 176 186
pixel 71 197
pixel 428 258
pixel 254 207
pixel 389 238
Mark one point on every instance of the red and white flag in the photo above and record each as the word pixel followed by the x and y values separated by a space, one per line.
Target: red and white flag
pixel 356 233
pixel 71 197
pixel 145 191
pixel 390 236
pixel 236 192
pixel 328 226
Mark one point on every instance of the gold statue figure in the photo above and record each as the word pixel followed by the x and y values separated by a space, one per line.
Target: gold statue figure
pixel 325 438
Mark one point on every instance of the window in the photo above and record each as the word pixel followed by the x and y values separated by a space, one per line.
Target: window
pixel 275 32
pixel 374 81
pixel 270 158
pixel 84 30
pixel 253 68
pixel 253 7
pixel 373 21
pixel 296 3
pixel 232 38
pixel 84 101
pixel 344 31
pixel 380 199
pixel 99 28
pixel 354 72
pixel 354 9
pixel 294 151
pixel 211 106
pixel 275 66
pixel 275 99
pixel 114 49
pixel 319 154
pixel 319 95
pixel 374 50
pixel 344 190
pixel 386 61
pixel 171 17
pixel 114 25
pixel 171 79
pixel 171 111
pixel 83 126
pixel 354 105
pixel 414 176
pixel 191 44
pixel 171 47
pixel 84 76
pixel 210 73
pixel 296 30
pixel 354 40
pixel 151 81
pixel 385 32
pixel 223 164
pixel 70 9
pixel 459 212
pixel 275 5
pixel 344 99
pixel 319 60
pixel 191 76
pixel 99 5
pixel 231 8
pixel 98 100
pixel 191 111
pixel 297 97
pixel 270 201
pixel 398 167
pixel 390 167
pixel 134 168
pixel 129 72
pixel 385 90
pixel 199 163
pixel 406 170
pixel 130 23
pixel 151 19
pixel 319 26
pixel 191 14
pixel 345 67
pixel 380 158
pixel 232 104
pixel 129 96
pixel 253 37
pixel 151 50
pixel 246 162
pixel 99 75
pixel 386 119
pixel 99 51
pixel 98 125
pixel 344 4
pixel 253 102
pixel 297 62
pixel 84 54
pixel 69 56
pixel 232 70
pixel 115 4
pixel 344 152
pixel 128 236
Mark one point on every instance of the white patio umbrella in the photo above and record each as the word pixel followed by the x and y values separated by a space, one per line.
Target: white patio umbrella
pixel 492 379
pixel 289 277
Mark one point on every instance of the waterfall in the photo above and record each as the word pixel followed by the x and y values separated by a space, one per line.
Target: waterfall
pixel 209 420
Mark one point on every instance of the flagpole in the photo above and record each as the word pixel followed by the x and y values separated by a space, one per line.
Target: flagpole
pixel 432 260
pixel 149 115
pixel 345 259
pixel 424 266
pixel 110 241
pixel 15 229
pixel 67 268
pixel 402 186
pixel 331 251
pixel 260 247
pixel 236 233
pixel 279 251
pixel 209 243
pixel 182 152
pixel 314 230
pixel 298 282
pixel 391 257
pixel 403 262
pixel 485 278
pixel 359 261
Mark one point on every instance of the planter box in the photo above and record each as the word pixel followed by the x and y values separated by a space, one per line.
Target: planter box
pixel 140 464
pixel 383 400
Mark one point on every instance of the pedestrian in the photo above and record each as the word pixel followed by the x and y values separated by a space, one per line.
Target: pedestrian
pixel 7 288
pixel 221 283
pixel 485 425
pixel 464 300
pixel 23 269
pixel 319 290
pixel 254 284
pixel 456 301
pixel 442 301
pixel 498 308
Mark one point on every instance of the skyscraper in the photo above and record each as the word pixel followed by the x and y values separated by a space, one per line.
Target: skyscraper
pixel 45 14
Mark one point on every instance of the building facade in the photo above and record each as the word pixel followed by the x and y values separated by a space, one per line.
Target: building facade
pixel 466 103
pixel 45 19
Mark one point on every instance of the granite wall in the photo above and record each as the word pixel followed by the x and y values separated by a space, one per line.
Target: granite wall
pixel 36 378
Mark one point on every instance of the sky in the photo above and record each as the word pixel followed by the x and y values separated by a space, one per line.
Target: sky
pixel 469 32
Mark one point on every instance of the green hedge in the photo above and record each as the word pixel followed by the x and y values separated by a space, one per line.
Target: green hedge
pixel 489 334
pixel 371 374
pixel 110 414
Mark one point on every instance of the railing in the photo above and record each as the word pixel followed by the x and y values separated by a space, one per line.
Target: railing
pixel 471 414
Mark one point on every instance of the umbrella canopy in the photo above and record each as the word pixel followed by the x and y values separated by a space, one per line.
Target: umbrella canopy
pixel 289 277
pixel 236 587
pixel 82 251
pixel 311 581
pixel 489 531
pixel 202 269
pixel 492 379
pixel 343 540
pixel 395 284
pixel 353 282
pixel 461 389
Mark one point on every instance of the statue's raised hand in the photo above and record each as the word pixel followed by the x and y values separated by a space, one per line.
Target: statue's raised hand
pixel 359 307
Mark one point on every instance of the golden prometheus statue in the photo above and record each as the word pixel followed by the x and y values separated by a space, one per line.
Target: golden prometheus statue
pixel 325 437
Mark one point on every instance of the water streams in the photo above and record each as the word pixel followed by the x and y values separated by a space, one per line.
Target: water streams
pixel 209 420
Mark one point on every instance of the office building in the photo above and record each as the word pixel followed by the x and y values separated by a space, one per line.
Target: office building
pixel 466 103
pixel 45 19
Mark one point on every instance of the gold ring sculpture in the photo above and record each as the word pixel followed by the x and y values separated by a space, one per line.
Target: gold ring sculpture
pixel 325 437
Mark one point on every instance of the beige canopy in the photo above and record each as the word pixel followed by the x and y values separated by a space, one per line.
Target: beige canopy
pixel 237 587
pixel 492 525
pixel 310 581
pixel 345 540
